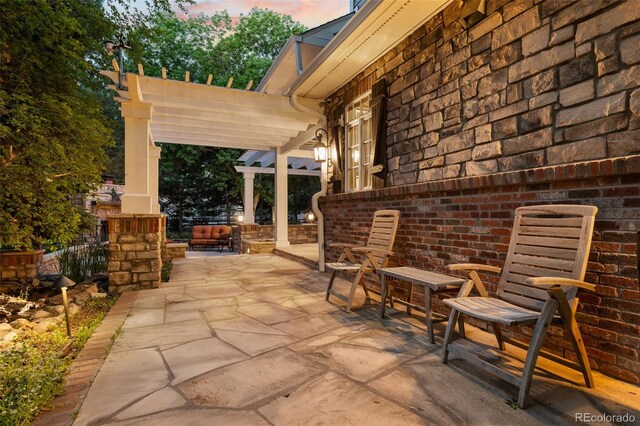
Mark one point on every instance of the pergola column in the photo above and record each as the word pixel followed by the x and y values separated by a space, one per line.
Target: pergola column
pixel 137 120
pixel 154 175
pixel 249 216
pixel 282 202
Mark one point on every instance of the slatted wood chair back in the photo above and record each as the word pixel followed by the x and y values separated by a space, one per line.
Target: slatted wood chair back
pixel 383 232
pixel 546 241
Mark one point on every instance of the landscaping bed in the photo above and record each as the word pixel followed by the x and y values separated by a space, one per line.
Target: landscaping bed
pixel 33 368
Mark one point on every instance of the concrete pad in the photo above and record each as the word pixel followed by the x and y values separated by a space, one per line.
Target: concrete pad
pixel 245 324
pixel 130 375
pixel 197 417
pixel 249 381
pixel 439 392
pixel 210 292
pixel 194 358
pixel 312 325
pixel 332 400
pixel 269 313
pixel 150 302
pixel 271 296
pixel 165 334
pixel 359 363
pixel 221 313
pixel 144 317
pixel 254 343
pixel 177 298
pixel 324 339
pixel 160 400
pixel 311 303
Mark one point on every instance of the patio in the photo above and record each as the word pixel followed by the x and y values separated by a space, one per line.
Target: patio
pixel 249 339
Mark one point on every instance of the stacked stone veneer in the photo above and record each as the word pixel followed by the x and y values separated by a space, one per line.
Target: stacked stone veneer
pixel 135 250
pixel 298 234
pixel 538 103
pixel 19 266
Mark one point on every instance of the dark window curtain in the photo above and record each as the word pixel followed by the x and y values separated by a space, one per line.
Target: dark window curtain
pixel 379 132
pixel 337 133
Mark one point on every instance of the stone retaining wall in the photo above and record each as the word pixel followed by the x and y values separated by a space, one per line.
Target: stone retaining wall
pixel 135 255
pixel 172 251
pixel 298 234
pixel 16 266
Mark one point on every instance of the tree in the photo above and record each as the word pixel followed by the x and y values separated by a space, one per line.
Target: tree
pixel 53 131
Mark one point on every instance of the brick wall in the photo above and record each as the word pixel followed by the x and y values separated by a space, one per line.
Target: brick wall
pixel 470 220
pixel 535 83
pixel 538 103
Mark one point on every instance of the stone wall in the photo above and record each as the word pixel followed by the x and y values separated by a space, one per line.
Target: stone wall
pixel 19 266
pixel 534 83
pixel 538 103
pixel 135 254
pixel 469 220
pixel 172 251
pixel 298 234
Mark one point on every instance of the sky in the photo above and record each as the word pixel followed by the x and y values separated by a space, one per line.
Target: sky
pixel 309 12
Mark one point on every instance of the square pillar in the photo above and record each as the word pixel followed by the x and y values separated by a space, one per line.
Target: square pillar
pixel 282 201
pixel 249 214
pixel 135 250
pixel 137 132
pixel 154 176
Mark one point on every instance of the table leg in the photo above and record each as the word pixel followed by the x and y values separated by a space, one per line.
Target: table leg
pixel 427 310
pixel 409 298
pixel 383 294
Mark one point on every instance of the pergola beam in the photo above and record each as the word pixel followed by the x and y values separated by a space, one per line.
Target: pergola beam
pixel 253 158
pixel 300 139
pixel 201 124
pixel 203 142
pixel 273 140
pixel 272 170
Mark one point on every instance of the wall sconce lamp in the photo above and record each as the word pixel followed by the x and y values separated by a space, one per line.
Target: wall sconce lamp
pixel 472 12
pixel 320 150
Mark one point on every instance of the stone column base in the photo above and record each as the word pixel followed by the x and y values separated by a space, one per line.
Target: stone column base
pixel 135 250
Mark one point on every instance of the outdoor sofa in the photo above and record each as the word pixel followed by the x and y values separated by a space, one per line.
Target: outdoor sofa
pixel 215 236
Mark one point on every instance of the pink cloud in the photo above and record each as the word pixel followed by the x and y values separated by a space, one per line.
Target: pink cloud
pixel 310 12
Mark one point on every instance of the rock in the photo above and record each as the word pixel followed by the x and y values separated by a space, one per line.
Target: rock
pixel 603 23
pixel 578 70
pixel 475 168
pixel 73 309
pixel 41 314
pixel 535 119
pixel 485 151
pixel 98 295
pixel 588 149
pixel 5 346
pixel 35 282
pixel 82 298
pixel 540 139
pixel 10 336
pixel 485 26
pixel 634 102
pixel 578 93
pixel 505 128
pixel 624 143
pixel 20 323
pixel 46 284
pixel 527 160
pixel 56 309
pixel 541 61
pixel 625 79
pixel 629 50
pixel 536 41
pixel 516 28
pixel 593 110
pixel 43 326
pixel 5 327
pixel 540 83
pixel 492 83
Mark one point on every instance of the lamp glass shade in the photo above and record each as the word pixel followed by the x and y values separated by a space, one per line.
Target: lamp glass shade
pixel 320 152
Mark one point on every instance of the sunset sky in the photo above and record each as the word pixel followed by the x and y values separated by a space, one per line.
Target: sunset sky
pixel 310 12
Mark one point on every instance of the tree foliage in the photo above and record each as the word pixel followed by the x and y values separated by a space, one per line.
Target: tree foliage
pixel 53 130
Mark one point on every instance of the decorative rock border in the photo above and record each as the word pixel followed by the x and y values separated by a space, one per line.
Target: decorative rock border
pixel 85 367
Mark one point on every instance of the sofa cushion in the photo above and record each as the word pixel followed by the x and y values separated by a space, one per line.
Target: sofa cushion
pixel 201 232
pixel 199 241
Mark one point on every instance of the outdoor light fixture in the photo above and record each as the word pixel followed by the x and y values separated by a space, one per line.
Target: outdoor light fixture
pixel 62 283
pixel 472 12
pixel 320 149
pixel 240 217
pixel 111 47
pixel 310 217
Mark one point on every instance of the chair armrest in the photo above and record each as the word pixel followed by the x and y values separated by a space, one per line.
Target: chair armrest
pixel 473 267
pixel 342 245
pixel 373 250
pixel 555 281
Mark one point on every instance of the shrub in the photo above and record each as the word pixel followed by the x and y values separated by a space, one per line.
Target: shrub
pixel 82 262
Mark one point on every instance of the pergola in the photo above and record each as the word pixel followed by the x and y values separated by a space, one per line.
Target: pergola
pixel 276 129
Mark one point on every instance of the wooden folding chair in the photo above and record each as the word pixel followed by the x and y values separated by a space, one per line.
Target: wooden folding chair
pixel 376 254
pixel 542 273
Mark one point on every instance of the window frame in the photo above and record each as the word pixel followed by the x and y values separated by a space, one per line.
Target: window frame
pixel 347 144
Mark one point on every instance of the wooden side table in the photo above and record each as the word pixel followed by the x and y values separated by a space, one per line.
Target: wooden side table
pixel 432 282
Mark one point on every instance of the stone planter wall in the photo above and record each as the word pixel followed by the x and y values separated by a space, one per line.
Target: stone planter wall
pixel 135 250
pixel 298 234
pixel 172 251
pixel 19 266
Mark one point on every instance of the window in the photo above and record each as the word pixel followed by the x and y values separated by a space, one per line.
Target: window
pixel 359 154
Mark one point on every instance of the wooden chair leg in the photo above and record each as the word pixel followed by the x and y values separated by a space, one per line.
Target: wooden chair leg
pixel 461 329
pixel 498 333
pixel 354 286
pixel 570 324
pixel 451 325
pixel 539 333
pixel 333 277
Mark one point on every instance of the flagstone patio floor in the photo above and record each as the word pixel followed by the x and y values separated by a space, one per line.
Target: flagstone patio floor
pixel 250 340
